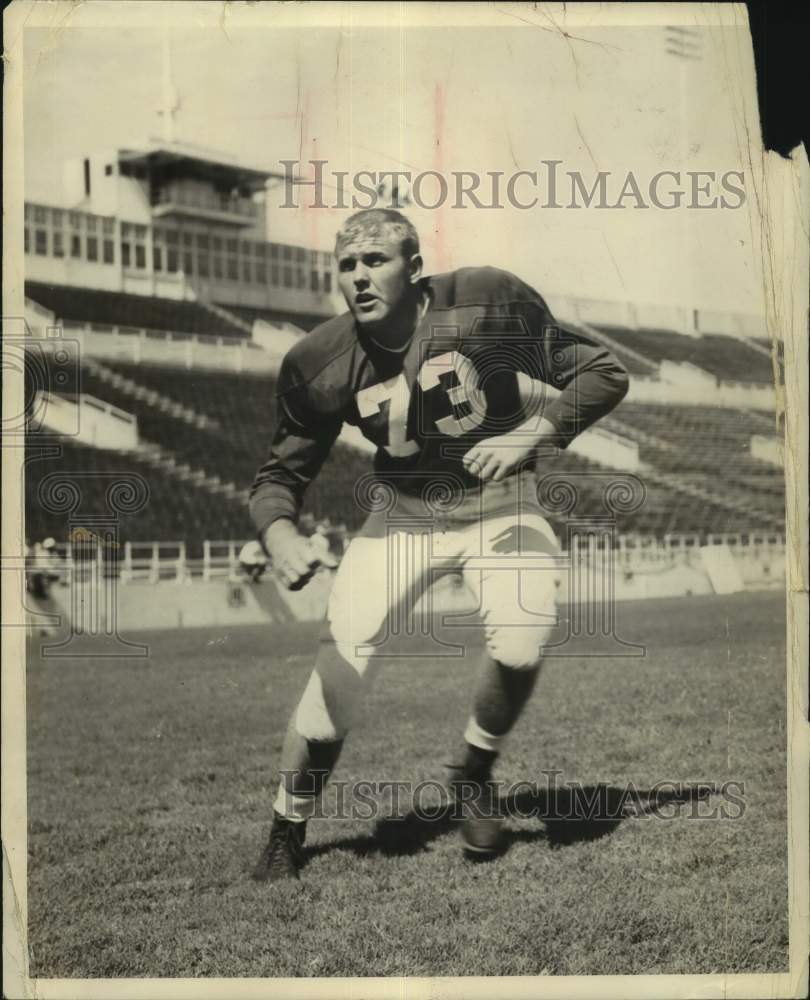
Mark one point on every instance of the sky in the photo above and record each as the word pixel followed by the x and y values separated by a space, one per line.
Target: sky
pixel 503 98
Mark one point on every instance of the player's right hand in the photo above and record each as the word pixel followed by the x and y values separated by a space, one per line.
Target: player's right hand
pixel 294 561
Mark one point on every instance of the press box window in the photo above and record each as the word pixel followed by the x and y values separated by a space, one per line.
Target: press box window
pixel 92 248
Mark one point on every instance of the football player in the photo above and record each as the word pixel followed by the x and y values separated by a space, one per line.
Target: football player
pixel 441 373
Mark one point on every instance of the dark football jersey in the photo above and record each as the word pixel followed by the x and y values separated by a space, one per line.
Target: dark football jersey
pixel 455 383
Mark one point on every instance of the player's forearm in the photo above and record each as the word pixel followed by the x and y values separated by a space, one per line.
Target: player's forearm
pixel 280 484
pixel 588 398
pixel 271 500
pixel 534 432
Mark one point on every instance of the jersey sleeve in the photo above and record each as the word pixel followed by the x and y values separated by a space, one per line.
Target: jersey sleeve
pixel 302 441
pixel 590 379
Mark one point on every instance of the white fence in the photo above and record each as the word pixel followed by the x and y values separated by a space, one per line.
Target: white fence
pixel 152 562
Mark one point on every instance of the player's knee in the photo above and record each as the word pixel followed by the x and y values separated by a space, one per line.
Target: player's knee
pixel 333 700
pixel 314 721
pixel 517 652
pixel 519 647
pixel 352 632
pixel 353 637
pixel 326 715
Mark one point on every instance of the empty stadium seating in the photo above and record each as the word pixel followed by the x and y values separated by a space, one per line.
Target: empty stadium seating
pixel 86 305
pixel 733 360
pixel 708 448
pixel 698 476
pixel 304 321
pixel 698 472
pixel 727 358
pixel 232 447
pixel 175 510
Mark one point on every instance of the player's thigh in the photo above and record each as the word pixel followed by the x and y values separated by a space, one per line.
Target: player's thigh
pixel 382 575
pixel 512 568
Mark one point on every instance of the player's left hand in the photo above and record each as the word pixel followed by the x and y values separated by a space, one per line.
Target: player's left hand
pixel 494 458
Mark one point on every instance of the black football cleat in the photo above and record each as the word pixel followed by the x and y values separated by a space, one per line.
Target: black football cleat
pixel 476 805
pixel 284 854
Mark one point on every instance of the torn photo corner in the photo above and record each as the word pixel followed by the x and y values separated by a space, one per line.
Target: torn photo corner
pixel 404 518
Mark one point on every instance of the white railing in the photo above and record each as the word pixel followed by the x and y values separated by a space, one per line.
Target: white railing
pixel 152 562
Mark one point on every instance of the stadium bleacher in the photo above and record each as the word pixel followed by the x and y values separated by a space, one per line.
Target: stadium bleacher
pixel 708 448
pixel 104 308
pixel 734 360
pixel 727 358
pixel 216 426
pixel 241 410
pixel 175 509
pixel 304 321
pixel 698 470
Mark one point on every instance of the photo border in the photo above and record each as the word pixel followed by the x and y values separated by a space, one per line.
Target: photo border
pixel 783 191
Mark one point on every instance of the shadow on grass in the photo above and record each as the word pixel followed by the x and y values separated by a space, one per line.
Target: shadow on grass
pixel 567 815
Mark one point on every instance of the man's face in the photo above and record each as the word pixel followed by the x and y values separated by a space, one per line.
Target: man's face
pixel 374 277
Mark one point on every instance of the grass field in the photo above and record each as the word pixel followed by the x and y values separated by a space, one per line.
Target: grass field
pixel 149 790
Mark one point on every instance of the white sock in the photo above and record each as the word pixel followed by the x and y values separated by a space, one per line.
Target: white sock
pixel 481 738
pixel 296 808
